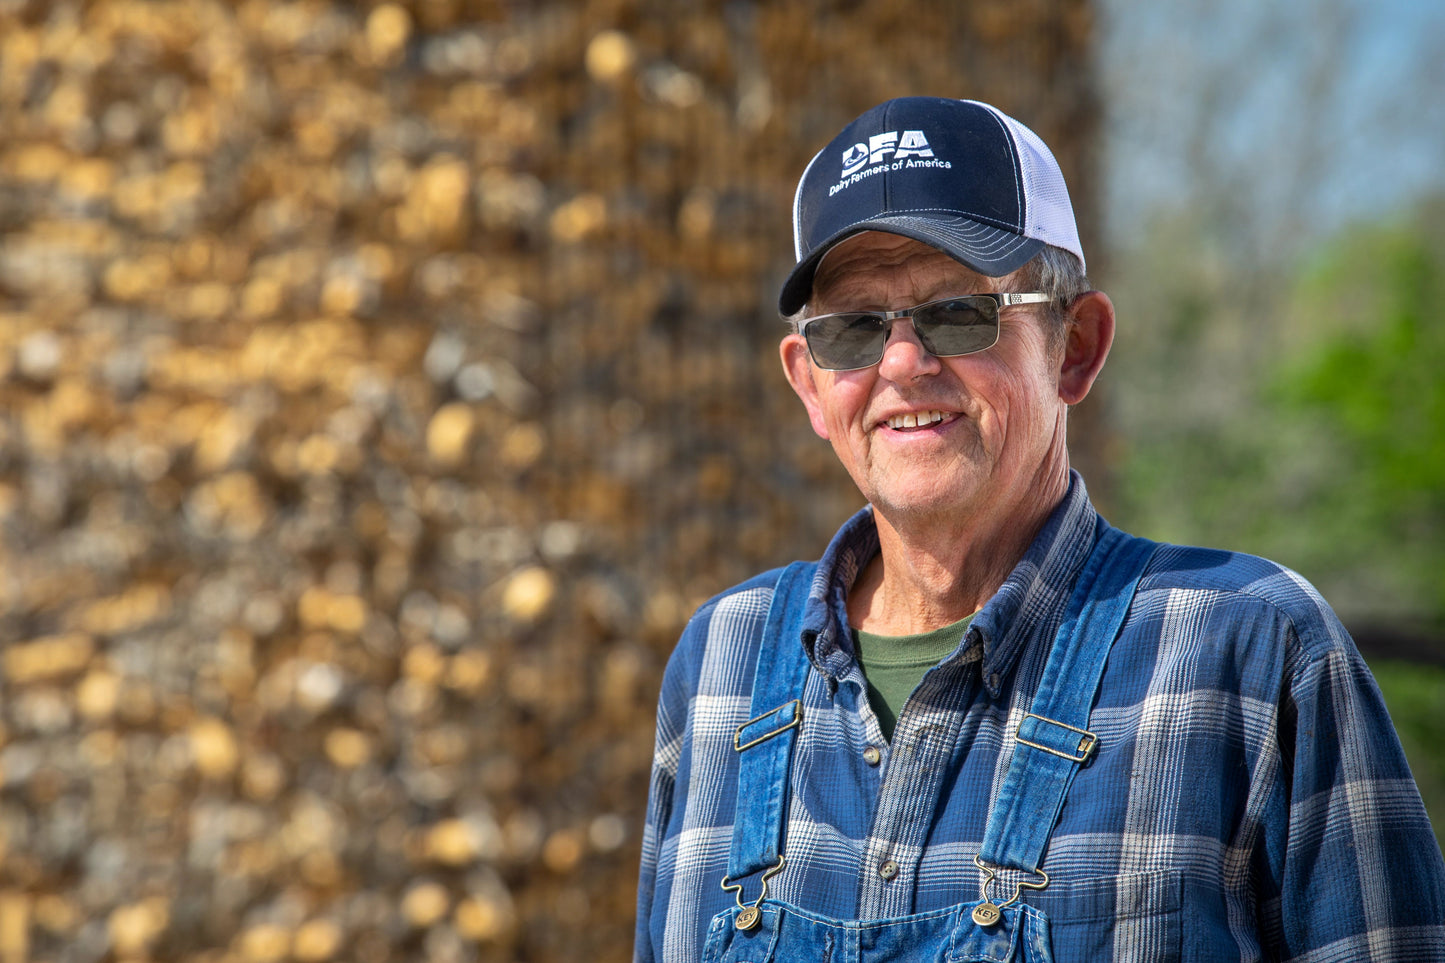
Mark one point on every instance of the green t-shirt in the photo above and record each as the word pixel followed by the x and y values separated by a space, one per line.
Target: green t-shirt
pixel 895 664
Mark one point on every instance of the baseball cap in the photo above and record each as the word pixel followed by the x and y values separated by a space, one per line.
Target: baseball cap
pixel 958 175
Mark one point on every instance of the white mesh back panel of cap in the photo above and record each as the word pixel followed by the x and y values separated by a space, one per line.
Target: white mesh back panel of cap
pixel 1050 215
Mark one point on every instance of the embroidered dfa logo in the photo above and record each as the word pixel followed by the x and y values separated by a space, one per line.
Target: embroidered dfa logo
pixel 855 157
pixel 890 151
pixel 910 143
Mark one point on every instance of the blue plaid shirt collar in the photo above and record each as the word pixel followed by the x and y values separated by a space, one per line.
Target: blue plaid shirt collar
pixel 1040 582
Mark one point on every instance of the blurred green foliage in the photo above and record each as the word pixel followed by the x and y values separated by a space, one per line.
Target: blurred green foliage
pixel 1371 394
pixel 1303 421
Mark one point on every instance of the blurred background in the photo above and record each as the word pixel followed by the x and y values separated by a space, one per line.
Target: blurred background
pixel 383 383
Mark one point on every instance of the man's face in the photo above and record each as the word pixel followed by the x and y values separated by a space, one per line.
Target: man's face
pixel 989 428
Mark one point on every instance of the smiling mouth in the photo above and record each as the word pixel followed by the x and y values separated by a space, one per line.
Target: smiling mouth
pixel 914 420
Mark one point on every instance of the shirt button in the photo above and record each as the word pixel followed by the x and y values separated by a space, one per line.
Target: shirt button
pixel 888 870
pixel 872 756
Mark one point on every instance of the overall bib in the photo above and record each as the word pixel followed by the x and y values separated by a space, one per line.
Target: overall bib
pixel 1051 743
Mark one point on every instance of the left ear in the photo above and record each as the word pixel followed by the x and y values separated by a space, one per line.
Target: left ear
pixel 799 370
pixel 1088 338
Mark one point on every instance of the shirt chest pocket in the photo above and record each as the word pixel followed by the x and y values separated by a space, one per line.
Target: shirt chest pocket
pixel 1132 918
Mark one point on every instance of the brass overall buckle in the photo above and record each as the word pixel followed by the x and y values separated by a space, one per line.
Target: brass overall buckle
pixel 1088 742
pixel 988 912
pixel 750 914
pixel 796 720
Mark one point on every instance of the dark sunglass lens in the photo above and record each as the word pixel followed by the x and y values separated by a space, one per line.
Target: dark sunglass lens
pixel 957 326
pixel 843 341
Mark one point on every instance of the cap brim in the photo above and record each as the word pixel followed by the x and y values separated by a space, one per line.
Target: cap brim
pixel 991 251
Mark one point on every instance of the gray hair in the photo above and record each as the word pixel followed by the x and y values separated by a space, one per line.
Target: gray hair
pixel 1060 275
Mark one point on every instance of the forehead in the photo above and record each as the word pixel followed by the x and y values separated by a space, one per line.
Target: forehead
pixel 872 268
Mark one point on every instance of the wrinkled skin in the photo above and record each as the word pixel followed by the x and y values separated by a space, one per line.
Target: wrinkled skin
pixel 958 500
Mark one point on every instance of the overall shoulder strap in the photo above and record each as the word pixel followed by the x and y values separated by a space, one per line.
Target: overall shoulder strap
pixel 1053 739
pixel 765 742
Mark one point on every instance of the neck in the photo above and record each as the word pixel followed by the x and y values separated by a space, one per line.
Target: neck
pixel 931 572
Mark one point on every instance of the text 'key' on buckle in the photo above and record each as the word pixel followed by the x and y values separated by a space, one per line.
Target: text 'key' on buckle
pixel 986 914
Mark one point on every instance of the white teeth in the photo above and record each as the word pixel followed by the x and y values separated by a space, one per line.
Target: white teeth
pixel 915 420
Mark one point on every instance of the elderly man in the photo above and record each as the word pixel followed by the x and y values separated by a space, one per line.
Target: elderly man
pixel 987 725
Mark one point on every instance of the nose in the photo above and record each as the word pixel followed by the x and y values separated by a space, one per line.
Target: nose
pixel 904 356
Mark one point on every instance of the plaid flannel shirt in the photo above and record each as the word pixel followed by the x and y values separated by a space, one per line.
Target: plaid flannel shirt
pixel 1249 798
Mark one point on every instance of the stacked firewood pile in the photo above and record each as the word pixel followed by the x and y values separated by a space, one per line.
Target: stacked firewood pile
pixel 381 385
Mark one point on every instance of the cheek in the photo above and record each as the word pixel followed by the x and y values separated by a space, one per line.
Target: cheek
pixel 1007 404
pixel 844 400
pixel 1015 393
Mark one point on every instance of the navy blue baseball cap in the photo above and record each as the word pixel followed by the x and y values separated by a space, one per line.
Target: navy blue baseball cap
pixel 958 175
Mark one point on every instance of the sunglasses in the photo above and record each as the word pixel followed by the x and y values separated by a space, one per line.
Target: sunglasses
pixel 946 328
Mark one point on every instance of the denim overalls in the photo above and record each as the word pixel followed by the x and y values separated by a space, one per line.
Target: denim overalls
pixel 1051 743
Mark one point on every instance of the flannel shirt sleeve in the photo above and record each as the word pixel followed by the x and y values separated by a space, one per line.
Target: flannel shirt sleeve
pixel 659 807
pixel 1354 867
pixel 678 688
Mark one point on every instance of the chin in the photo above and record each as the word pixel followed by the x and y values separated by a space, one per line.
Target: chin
pixel 931 501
